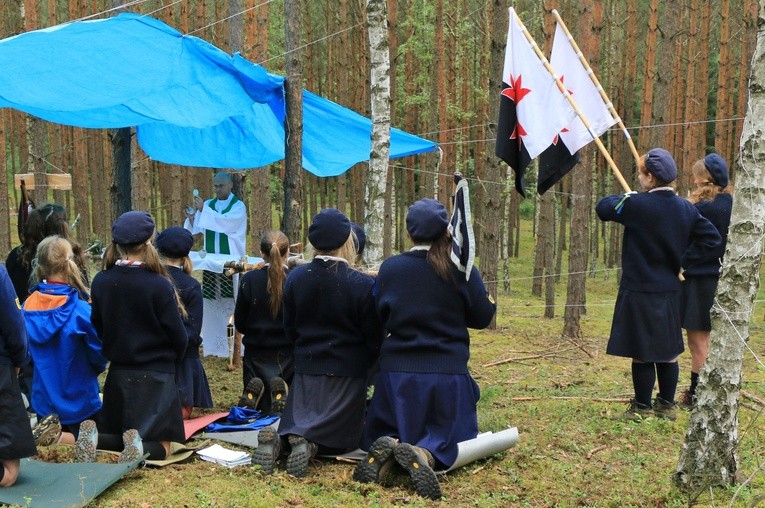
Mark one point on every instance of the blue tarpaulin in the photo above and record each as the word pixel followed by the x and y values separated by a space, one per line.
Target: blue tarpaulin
pixel 191 103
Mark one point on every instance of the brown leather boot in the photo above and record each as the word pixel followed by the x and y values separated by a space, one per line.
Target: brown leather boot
pixel 378 461
pixel 419 463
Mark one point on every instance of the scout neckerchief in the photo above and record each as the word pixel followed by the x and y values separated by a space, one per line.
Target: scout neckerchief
pixel 210 234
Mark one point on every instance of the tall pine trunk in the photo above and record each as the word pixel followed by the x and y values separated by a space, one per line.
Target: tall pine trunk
pixel 708 456
pixel 293 178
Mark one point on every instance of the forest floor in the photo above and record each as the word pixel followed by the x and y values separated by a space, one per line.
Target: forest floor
pixel 558 393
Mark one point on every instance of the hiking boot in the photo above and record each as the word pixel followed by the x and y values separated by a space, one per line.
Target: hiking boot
pixel 87 441
pixel 302 451
pixel 47 431
pixel 636 412
pixel 268 450
pixel 419 463
pixel 133 447
pixel 253 392
pixel 279 392
pixel 378 461
pixel 686 400
pixel 665 410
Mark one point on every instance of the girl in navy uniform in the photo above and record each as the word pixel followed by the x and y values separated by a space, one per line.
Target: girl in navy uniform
pixel 714 202
pixel 137 313
pixel 268 358
pixel 63 343
pixel 425 397
pixel 330 318
pixel 663 235
pixel 16 441
pixel 174 244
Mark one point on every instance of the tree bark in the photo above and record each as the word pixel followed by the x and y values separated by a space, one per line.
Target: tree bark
pixel 293 177
pixel 494 168
pixel 256 37
pixel 708 457
pixel 377 27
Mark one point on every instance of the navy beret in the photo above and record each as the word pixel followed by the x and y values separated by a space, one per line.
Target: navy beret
pixel 132 227
pixel 718 168
pixel 329 229
pixel 661 164
pixel 426 220
pixel 361 238
pixel 175 242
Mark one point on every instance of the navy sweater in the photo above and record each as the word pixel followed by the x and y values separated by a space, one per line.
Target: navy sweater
pixel 13 332
pixel 136 315
pixel 718 212
pixel 426 316
pixel 191 296
pixel 329 316
pixel 263 334
pixel 662 233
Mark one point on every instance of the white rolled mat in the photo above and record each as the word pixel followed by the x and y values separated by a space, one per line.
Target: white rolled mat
pixel 484 445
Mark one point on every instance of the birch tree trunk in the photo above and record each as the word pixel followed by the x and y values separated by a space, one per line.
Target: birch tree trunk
pixel 708 457
pixel 377 28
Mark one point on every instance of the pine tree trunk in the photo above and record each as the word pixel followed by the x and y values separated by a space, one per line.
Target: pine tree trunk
pixel 724 97
pixel 293 178
pixel 5 218
pixel 649 73
pixel 377 27
pixel 708 457
pixel 493 203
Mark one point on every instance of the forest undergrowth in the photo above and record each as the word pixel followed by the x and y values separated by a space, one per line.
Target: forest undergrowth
pixel 559 393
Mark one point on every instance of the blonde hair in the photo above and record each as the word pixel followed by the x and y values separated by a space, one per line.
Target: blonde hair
pixel 55 256
pixel 346 251
pixel 709 189
pixel 275 247
pixel 146 252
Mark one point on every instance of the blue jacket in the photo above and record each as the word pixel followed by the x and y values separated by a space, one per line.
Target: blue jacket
pixel 13 337
pixel 66 351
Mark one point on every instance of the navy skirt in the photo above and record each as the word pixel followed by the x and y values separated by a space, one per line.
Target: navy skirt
pixel 326 410
pixel 433 411
pixel 646 326
pixel 193 388
pixel 145 400
pixel 697 295
pixel 16 441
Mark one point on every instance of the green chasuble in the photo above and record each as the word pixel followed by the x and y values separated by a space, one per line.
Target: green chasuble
pixel 210 235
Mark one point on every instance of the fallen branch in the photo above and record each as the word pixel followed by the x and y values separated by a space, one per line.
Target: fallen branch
pixel 753 398
pixel 529 357
pixel 595 450
pixel 571 397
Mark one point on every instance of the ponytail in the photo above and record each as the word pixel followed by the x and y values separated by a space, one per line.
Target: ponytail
pixel 275 248
pixel 439 257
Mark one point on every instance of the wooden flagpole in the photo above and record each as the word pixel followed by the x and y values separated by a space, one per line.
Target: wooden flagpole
pixel 597 84
pixel 598 142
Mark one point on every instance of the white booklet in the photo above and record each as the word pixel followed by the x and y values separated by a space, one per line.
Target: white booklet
pixel 224 456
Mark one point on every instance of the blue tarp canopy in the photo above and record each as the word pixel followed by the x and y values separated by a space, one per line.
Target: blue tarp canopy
pixel 191 103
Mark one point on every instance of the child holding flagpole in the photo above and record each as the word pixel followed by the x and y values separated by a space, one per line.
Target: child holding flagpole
pixel 663 235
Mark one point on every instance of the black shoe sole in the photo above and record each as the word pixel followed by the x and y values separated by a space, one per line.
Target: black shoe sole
pixel 267 451
pixel 297 461
pixel 253 392
pixel 381 451
pixel 423 477
pixel 279 392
